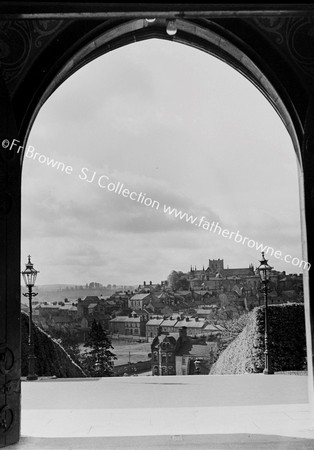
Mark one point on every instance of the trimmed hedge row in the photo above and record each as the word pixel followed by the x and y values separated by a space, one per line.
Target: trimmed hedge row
pixel 286 340
pixel 52 359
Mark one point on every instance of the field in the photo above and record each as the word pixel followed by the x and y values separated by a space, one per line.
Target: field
pixel 128 351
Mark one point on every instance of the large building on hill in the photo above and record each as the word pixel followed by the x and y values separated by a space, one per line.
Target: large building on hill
pixel 215 278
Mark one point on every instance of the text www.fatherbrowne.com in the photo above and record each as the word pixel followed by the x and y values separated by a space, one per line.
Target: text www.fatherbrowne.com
pixel 118 188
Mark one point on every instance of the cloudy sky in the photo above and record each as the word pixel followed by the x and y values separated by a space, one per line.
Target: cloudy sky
pixel 184 129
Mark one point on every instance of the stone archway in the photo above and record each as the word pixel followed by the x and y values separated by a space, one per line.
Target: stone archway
pixel 40 49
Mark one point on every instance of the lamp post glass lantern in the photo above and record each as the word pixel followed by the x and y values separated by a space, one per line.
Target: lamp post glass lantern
pixel 264 271
pixel 29 276
pixel 197 364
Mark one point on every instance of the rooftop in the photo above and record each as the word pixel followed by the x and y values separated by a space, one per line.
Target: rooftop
pixel 191 323
pixel 91 298
pixel 139 296
pixel 154 322
pixel 133 319
pixel 119 319
pixel 69 307
pixel 169 322
pixel 92 305
pixel 242 271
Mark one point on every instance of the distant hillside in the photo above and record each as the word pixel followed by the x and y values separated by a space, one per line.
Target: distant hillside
pixel 52 359
pixel 54 287
pixel 286 342
pixel 71 294
pixel 50 293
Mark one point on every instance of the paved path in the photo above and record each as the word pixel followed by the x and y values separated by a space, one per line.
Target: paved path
pixel 208 412
pixel 167 391
pixel 197 442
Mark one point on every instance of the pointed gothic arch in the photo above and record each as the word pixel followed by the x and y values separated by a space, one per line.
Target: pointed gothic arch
pixel 41 47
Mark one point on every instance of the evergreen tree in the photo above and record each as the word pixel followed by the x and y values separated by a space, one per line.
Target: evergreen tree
pixel 98 362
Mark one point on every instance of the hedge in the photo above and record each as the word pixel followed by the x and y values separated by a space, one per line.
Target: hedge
pixel 52 359
pixel 286 341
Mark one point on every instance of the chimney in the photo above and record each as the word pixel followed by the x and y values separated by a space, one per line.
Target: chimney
pixel 144 283
pixel 182 333
pixel 150 283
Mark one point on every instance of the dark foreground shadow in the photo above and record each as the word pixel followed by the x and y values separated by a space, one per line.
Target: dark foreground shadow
pixel 206 442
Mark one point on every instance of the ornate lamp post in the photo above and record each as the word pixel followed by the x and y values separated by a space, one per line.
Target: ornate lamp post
pixel 264 270
pixel 29 276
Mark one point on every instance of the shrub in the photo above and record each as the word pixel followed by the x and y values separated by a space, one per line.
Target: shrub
pixel 231 329
pixel 286 340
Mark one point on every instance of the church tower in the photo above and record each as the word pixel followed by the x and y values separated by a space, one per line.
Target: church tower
pixel 215 265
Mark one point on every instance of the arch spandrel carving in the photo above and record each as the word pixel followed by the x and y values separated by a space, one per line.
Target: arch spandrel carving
pixel 294 37
pixel 21 41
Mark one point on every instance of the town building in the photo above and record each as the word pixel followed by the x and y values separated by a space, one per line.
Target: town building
pixel 120 299
pixel 83 305
pixel 198 360
pixel 96 308
pixel 179 354
pixel 140 301
pixel 153 327
pixel 168 325
pixel 194 325
pixel 149 287
pixel 204 296
pixel 135 326
pixel 132 325
pixel 117 325
pixel 164 349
